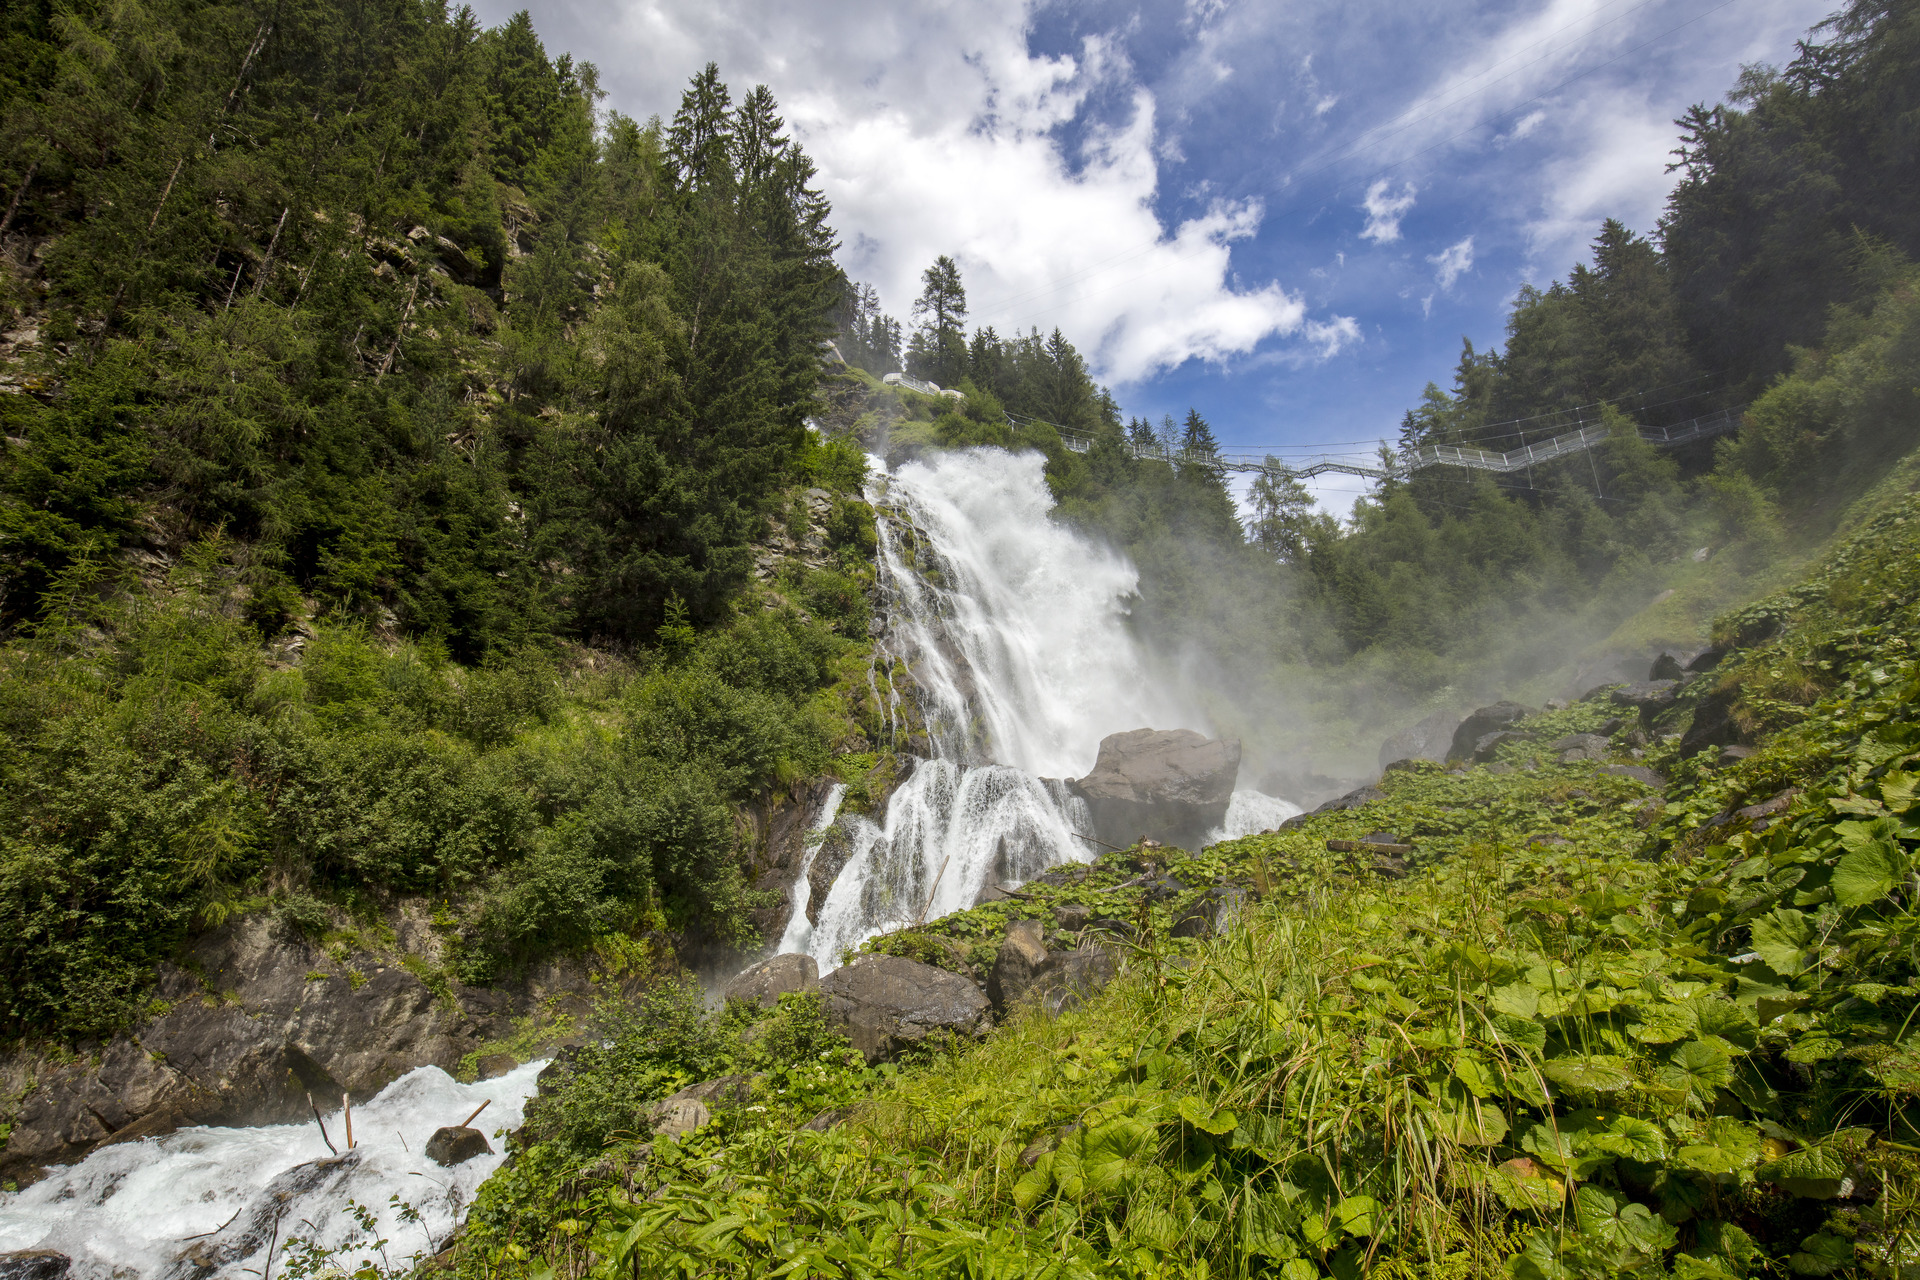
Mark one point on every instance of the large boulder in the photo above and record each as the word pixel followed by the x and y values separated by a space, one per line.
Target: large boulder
pixel 1427 740
pixel 1021 958
pixel 456 1144
pixel 764 983
pixel 1171 785
pixel 1069 977
pixel 1501 715
pixel 885 1004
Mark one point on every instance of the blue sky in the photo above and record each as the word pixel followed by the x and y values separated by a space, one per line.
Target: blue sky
pixel 1284 214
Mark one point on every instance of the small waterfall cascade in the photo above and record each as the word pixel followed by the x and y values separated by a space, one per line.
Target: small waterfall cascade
pixel 207 1202
pixel 1013 629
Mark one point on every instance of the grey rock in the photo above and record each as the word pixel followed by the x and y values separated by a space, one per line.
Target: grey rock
pixel 1666 667
pixel 1647 695
pixel 1501 715
pixel 1576 747
pixel 1713 724
pixel 1214 912
pixel 1427 740
pixel 1070 977
pixel 1171 785
pixel 681 1113
pixel 1637 772
pixel 1072 917
pixel 1489 744
pixel 886 1004
pixel 454 1144
pixel 34 1264
pixel 1733 754
pixel 831 1118
pixel 1022 955
pixel 1705 660
pixel 764 983
pixel 836 849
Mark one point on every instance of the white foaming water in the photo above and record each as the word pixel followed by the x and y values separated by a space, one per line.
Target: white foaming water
pixel 1014 628
pixel 799 931
pixel 1251 812
pixel 135 1207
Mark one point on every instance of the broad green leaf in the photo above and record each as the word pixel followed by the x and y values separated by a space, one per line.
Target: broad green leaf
pixel 1299 1269
pixel 1521 1031
pixel 1153 1227
pixel 1822 1255
pixel 1201 1116
pixel 1706 1159
pixel 1697 1067
pixel 1359 1215
pixel 1116 1155
pixel 1593 1074
pixel 1034 1183
pixel 1515 1001
pixel 1636 1139
pixel 1723 1019
pixel 1619 1225
pixel 1813 1172
pixel 1867 874
pixel 1781 938
pixel 1475 1075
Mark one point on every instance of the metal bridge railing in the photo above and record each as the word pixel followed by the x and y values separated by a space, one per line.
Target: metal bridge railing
pixel 1428 455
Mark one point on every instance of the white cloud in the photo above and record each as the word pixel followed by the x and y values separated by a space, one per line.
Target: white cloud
pixel 1384 212
pixel 935 131
pixel 1452 262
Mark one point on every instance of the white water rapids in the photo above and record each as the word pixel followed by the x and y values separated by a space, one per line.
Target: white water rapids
pixel 1014 628
pixel 134 1209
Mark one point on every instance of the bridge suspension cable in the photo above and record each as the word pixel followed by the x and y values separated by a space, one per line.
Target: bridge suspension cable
pixel 1405 461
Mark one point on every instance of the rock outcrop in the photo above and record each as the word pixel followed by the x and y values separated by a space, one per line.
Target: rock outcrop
pixel 764 983
pixel 1487 720
pixel 1171 785
pixel 1427 740
pixel 885 1004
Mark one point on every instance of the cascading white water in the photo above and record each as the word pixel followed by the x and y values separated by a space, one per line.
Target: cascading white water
pixel 1014 629
pixel 134 1208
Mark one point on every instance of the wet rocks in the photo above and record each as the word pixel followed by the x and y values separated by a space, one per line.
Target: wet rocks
pixel 263 1018
pixel 34 1264
pixel 886 1004
pixel 764 983
pixel 1500 716
pixel 454 1144
pixel 1069 977
pixel 1172 785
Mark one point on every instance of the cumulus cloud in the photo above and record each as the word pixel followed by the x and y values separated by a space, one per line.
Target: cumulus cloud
pixel 936 130
pixel 1452 262
pixel 1384 212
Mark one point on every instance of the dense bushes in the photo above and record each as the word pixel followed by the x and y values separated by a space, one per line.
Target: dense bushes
pixel 163 770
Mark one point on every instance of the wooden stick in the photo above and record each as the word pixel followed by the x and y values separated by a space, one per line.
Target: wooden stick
pixel 1102 843
pixel 936 889
pixel 346 1103
pixel 468 1122
pixel 323 1125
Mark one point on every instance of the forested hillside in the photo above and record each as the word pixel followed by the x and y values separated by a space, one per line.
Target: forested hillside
pixel 388 434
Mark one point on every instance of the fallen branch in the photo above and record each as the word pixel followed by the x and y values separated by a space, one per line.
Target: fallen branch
pixel 314 1107
pixel 217 1230
pixel 346 1105
pixel 1102 843
pixel 468 1122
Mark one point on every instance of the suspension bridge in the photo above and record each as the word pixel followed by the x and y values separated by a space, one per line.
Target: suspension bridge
pixel 1407 461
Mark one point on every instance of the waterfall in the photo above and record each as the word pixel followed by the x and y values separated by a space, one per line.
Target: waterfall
pixel 1014 629
pixel 136 1208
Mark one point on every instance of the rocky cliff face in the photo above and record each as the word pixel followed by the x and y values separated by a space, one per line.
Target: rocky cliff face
pixel 256 1019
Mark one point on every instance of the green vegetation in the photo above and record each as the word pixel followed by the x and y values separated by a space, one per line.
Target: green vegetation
pixel 1595 1030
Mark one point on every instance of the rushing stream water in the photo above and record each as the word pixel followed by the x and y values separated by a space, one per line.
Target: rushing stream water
pixel 1014 630
pixel 136 1208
